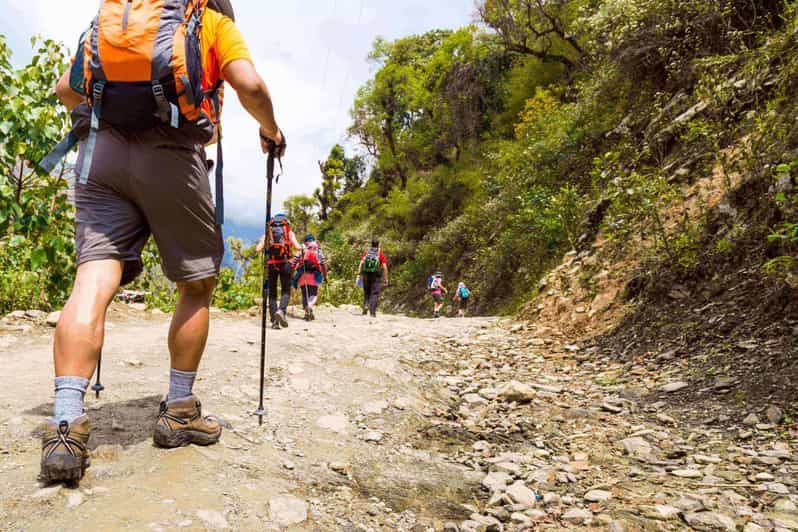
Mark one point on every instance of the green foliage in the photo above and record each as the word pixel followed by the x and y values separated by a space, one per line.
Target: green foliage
pixel 36 222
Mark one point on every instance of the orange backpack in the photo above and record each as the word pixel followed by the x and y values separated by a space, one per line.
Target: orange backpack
pixel 139 66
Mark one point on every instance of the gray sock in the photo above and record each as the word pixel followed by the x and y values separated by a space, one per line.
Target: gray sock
pixel 180 384
pixel 69 393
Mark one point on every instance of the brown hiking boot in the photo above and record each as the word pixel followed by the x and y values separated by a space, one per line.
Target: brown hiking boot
pixel 65 456
pixel 180 423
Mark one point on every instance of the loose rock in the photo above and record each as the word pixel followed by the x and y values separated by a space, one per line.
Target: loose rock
pixel 287 511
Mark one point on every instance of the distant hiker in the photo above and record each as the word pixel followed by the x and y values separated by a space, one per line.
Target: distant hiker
pixel 311 273
pixel 373 273
pixel 142 170
pixel 462 296
pixel 280 254
pixel 436 288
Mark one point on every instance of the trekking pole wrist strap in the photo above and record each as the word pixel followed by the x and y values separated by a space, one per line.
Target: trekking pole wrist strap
pixel 271 142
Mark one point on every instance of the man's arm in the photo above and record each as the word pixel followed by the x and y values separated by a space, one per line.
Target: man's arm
pixel 254 96
pixel 261 244
pixel 68 97
pixel 385 271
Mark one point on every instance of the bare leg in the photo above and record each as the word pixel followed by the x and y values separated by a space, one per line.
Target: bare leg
pixel 189 330
pixel 81 328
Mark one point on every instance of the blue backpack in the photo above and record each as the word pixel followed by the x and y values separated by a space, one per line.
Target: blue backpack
pixel 464 293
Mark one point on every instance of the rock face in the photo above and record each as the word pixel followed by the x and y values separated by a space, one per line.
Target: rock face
pixel 286 511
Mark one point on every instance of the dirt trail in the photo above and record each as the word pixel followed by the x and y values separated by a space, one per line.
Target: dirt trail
pixel 331 384
pixel 393 424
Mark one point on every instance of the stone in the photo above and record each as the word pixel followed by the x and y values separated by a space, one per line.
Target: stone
pixel 774 414
pixel 134 363
pixel 785 506
pixel 784 522
pixel 636 446
pixel 548 388
pixel 616 526
pixel 516 391
pixel 665 512
pixel 577 516
pixel 751 420
pixel 753 527
pixel 474 399
pixel 373 436
pixel 598 496
pixel 490 523
pixel 688 504
pixel 551 499
pixel 336 422
pixel 674 387
pixel 777 488
pixel 53 317
pixel 375 407
pixel 213 520
pixel 687 473
pixel 710 521
pixel 341 468
pixel 287 511
pixel 508 467
pixel 496 481
pixel 703 459
pixel 74 499
pixel 48 492
pixel 520 494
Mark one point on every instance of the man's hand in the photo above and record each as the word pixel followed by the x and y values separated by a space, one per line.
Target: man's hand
pixel 276 138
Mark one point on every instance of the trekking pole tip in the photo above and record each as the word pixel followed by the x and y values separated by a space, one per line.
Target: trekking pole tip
pixel 97 388
pixel 260 412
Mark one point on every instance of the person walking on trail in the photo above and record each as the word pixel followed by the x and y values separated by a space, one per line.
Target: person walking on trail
pixel 373 274
pixel 282 249
pixel 437 290
pixel 142 170
pixel 311 273
pixel 462 297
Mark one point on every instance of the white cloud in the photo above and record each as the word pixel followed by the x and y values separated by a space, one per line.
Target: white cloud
pixel 311 53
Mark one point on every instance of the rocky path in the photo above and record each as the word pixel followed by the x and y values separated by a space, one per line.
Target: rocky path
pixel 391 424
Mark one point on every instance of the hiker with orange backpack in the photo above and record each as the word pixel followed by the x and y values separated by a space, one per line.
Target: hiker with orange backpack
pixel 145 93
pixel 283 245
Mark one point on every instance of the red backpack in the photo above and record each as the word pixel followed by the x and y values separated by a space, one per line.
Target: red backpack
pixel 279 239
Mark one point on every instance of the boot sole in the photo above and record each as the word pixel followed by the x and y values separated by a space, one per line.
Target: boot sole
pixel 170 439
pixel 64 468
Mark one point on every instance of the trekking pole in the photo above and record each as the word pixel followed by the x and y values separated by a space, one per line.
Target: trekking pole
pixel 260 412
pixel 97 388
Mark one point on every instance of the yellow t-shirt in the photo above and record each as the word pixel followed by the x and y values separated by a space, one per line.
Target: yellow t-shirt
pixel 222 43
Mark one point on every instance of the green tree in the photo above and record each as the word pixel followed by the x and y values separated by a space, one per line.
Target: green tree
pixel 36 222
pixel 544 29
pixel 301 211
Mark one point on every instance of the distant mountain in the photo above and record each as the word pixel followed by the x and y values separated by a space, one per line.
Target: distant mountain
pixel 250 234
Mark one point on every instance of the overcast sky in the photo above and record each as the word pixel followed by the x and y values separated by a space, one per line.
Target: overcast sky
pixel 312 54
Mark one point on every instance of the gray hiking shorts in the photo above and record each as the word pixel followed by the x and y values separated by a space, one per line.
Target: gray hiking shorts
pixel 154 182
